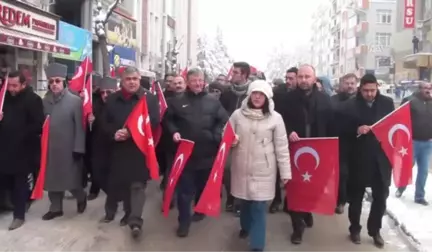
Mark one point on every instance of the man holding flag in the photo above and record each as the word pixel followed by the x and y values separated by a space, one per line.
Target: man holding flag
pixel 368 165
pixel 66 145
pixel 198 117
pixel 307 113
pixel 21 119
pixel 129 168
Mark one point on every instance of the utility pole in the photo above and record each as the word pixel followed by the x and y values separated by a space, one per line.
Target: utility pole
pixel 163 40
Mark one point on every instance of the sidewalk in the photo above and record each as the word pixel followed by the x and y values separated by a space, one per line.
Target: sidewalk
pixel 413 219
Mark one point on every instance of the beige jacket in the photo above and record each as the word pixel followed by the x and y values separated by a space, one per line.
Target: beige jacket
pixel 262 148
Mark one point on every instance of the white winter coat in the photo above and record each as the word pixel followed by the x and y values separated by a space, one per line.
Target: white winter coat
pixel 261 149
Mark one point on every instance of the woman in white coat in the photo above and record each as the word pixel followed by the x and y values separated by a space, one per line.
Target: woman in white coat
pixel 260 148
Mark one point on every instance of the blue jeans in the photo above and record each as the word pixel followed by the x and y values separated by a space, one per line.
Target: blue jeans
pixel 253 221
pixel 422 153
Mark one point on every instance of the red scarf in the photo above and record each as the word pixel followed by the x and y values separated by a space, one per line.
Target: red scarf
pixel 126 94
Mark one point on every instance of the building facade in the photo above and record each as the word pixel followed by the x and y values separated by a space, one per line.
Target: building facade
pixel 173 35
pixel 410 64
pixel 322 40
pixel 360 37
pixel 32 39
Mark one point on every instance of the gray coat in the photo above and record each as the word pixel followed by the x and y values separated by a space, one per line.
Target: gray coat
pixel 67 136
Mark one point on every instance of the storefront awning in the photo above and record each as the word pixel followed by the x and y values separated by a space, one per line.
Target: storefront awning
pixel 414 61
pixel 26 41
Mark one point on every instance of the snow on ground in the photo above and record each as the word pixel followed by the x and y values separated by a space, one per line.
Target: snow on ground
pixel 413 219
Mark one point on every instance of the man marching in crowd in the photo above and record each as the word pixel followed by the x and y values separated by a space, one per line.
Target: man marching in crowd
pixel 348 89
pixel 231 100
pixel 199 117
pixel 307 113
pixel 66 145
pixel 368 166
pixel 20 126
pixel 128 176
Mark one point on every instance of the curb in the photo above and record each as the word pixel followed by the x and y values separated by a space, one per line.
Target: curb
pixel 401 227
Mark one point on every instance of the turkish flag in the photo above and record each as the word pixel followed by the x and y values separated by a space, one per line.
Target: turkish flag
pixel 138 124
pixel 87 100
pixel 40 182
pixel 315 175
pixel 77 84
pixel 395 135
pixel 162 109
pixel 3 91
pixel 184 73
pixel 184 151
pixel 210 200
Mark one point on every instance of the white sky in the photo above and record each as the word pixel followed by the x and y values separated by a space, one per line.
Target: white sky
pixel 252 32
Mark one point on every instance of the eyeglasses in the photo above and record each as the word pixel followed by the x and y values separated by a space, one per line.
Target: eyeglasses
pixel 56 81
pixel 106 92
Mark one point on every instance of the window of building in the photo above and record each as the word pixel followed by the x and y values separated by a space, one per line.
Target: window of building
pixel 381 61
pixel 384 16
pixel 383 39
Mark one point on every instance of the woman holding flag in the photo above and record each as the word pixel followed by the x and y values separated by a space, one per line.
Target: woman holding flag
pixel 261 147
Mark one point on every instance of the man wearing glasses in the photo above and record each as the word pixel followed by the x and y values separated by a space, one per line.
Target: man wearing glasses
pixel 66 144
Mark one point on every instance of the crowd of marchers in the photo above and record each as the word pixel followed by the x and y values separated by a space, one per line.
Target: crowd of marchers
pixel 265 121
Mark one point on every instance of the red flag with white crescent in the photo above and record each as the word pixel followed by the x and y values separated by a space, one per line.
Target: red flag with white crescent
pixel 210 200
pixel 184 150
pixel 138 124
pixel 40 182
pixel 395 135
pixel 315 175
pixel 77 83
pixel 3 91
pixel 87 100
pixel 162 109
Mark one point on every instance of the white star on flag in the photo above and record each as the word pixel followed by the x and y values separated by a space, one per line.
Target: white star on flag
pixel 150 141
pixel 403 151
pixel 215 176
pixel 306 177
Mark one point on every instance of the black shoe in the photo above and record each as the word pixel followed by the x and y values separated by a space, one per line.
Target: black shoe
pixel 243 234
pixel 124 220
pixel 107 218
pixel 257 250
pixel 197 217
pixel 274 207
pixel 171 206
pixel 92 196
pixel 236 211
pixel 297 238
pixel 52 215
pixel 309 220
pixel 398 193
pixel 355 238
pixel 422 202
pixel 229 207
pixel 340 209
pixel 378 240
pixel 81 206
pixel 136 232
pixel 183 230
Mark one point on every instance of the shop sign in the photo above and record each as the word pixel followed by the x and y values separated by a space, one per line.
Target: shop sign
pixel 409 14
pixel 23 20
pixel 121 31
pixel 77 39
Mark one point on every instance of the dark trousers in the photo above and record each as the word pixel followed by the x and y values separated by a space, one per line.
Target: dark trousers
pixel 227 185
pixel 20 192
pixel 277 200
pixel 299 219
pixel 343 183
pixel 133 203
pixel 380 192
pixel 189 188
pixel 253 218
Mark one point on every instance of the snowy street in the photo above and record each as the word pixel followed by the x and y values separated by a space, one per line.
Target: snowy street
pixel 84 233
pixel 412 218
